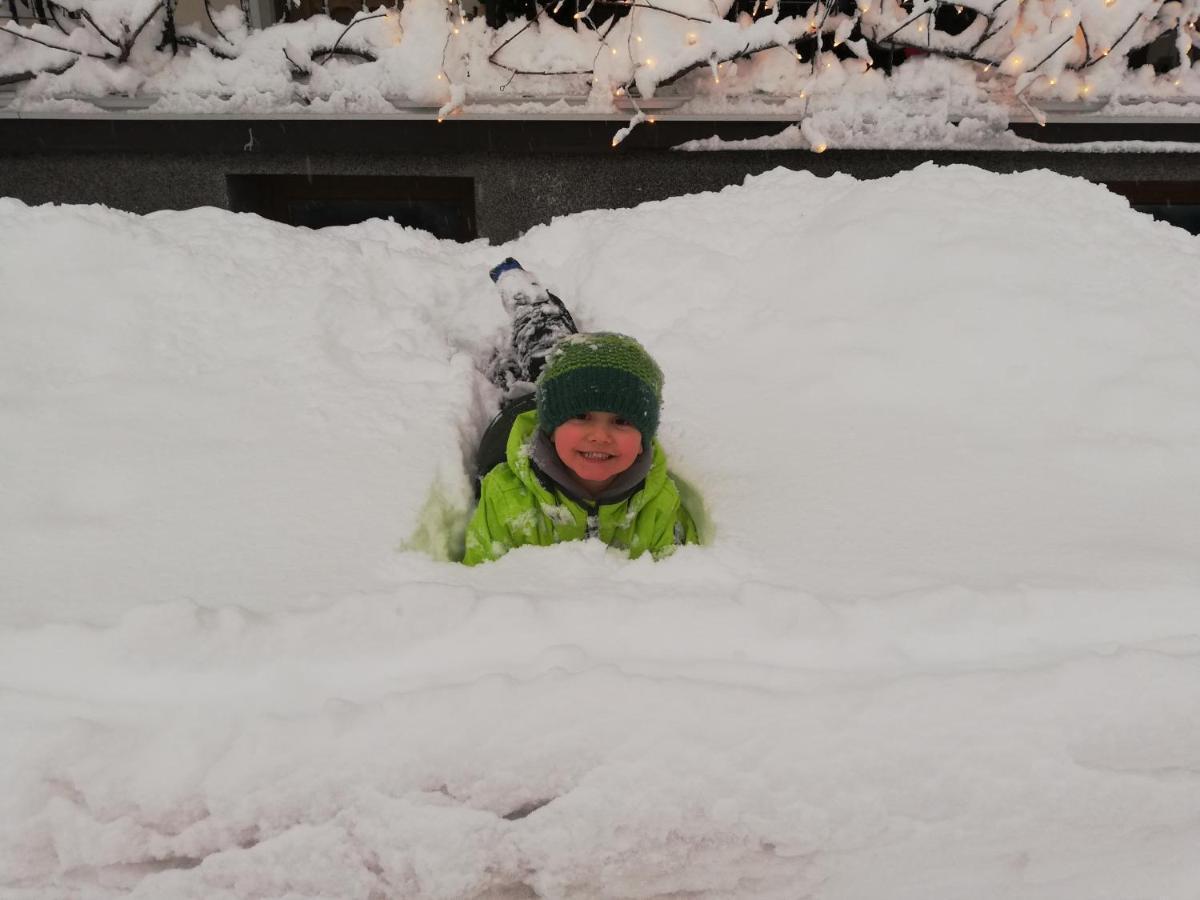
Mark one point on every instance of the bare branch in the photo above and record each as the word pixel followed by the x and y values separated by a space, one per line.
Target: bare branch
pixel 334 49
pixel 1121 37
pixel 131 39
pixel 87 17
pixel 639 5
pixel 213 22
pixel 27 37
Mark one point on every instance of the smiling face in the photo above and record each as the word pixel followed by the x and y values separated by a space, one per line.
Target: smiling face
pixel 597 447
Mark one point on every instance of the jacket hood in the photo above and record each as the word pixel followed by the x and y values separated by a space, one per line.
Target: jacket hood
pixel 523 452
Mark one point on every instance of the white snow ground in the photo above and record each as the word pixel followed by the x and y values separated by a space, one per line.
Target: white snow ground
pixel 944 642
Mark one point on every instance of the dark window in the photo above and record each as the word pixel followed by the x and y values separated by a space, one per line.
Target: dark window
pixel 445 207
pixel 1177 202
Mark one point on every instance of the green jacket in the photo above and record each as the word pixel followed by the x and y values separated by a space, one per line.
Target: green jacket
pixel 519 505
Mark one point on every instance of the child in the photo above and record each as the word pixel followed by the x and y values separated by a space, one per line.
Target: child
pixel 584 463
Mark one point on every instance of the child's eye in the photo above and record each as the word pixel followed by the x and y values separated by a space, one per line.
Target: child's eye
pixel 622 422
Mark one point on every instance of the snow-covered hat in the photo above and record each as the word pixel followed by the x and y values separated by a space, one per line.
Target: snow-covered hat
pixel 600 372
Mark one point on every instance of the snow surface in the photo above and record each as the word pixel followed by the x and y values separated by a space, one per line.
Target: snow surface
pixel 944 640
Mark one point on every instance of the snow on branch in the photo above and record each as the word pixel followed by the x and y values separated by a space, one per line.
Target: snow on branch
pixel 708 54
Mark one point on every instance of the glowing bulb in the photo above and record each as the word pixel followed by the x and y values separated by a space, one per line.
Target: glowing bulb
pixel 440 76
pixel 615 142
pixel 456 30
pixel 651 120
pixel 620 92
pixel 864 8
pixel 958 9
pixel 639 38
pixel 820 148
pixel 829 65
pixel 1053 81
pixel 440 120
pixel 649 62
pixel 803 95
pixel 1105 51
pixel 921 27
pixel 800 57
pixel 614 51
pixel 1066 14
pixel 988 67
pixel 812 26
pixel 1177 82
pixel 691 38
pixel 1085 90
pixel 716 79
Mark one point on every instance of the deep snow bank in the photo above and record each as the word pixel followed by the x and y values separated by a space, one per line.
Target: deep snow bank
pixel 946 426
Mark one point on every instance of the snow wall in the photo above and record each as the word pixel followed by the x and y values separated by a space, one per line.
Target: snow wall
pixel 942 640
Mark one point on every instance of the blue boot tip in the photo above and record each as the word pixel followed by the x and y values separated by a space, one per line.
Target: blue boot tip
pixel 505 266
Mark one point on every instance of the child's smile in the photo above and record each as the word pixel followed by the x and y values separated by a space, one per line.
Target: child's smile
pixel 597 447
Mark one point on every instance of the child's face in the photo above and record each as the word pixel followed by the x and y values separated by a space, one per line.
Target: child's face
pixel 597 447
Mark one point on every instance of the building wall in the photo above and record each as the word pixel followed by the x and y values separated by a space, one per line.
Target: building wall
pixel 523 174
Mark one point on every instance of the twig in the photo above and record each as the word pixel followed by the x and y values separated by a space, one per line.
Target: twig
pixel 297 69
pixel 1070 37
pixel 912 18
pixel 333 49
pixel 213 22
pixel 1120 38
pixel 26 37
pixel 640 5
pixel 131 39
pixel 87 17
pixel 189 40
pixel 54 7
pixel 492 56
pixel 363 54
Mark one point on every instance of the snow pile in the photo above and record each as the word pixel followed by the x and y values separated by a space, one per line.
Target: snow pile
pixel 943 639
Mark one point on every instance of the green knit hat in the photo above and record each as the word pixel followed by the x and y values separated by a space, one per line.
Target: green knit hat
pixel 601 372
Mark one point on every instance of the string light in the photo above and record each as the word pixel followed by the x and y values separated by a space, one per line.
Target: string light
pixel 651 119
pixel 1106 51
pixel 820 148
pixel 1177 82
pixel 1066 13
pixel 803 95
pixel 692 38
pixel 649 62
pixel 921 27
pixel 1085 90
pixel 1053 81
pixel 614 51
pixel 639 38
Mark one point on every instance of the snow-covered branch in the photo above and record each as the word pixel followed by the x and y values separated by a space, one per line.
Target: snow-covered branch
pixel 616 52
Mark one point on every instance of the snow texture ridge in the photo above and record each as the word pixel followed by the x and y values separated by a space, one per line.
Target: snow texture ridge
pixel 942 640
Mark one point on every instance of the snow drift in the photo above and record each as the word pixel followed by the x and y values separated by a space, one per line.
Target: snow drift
pixel 943 638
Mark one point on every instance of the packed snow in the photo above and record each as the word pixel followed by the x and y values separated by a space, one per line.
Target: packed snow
pixel 943 638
